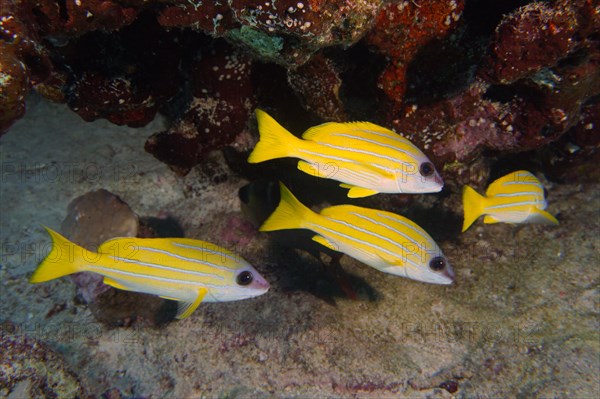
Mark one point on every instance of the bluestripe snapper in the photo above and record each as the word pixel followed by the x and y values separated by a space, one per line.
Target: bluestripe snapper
pixel 367 158
pixel 383 240
pixel 185 270
pixel 517 197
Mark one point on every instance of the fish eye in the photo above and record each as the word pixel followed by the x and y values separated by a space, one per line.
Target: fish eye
pixel 244 278
pixel 426 169
pixel 438 263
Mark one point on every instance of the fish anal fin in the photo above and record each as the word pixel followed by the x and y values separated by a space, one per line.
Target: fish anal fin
pixel 540 216
pixel 325 242
pixel 360 192
pixel 185 309
pixel 488 219
pixel 114 283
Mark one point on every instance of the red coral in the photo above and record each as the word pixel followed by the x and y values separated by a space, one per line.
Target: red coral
pixel 14 84
pixel 23 63
pixel 402 28
pixel 86 16
pixel 211 17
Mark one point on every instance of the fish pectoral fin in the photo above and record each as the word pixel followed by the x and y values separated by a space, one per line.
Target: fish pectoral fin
pixel 358 192
pixel 540 216
pixel 325 242
pixel 185 309
pixel 114 283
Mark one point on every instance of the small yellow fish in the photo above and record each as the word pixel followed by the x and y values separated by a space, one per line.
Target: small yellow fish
pixel 383 240
pixel 181 269
pixel 515 198
pixel 367 158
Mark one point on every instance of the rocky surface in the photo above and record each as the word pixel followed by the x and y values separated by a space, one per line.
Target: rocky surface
pixel 520 321
pixel 29 368
pixel 462 78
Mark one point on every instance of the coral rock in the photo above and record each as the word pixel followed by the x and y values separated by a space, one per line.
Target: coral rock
pixel 297 29
pixel 457 129
pixel 575 157
pixel 92 219
pixel 221 105
pixel 318 83
pixel 535 36
pixel 113 98
pixel 210 17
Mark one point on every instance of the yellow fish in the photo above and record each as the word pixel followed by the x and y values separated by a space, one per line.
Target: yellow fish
pixel 383 240
pixel 515 198
pixel 181 269
pixel 367 158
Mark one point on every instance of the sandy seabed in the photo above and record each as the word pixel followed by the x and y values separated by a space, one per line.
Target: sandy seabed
pixel 520 321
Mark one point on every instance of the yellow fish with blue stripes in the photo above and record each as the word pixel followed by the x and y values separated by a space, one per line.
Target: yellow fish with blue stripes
pixel 383 240
pixel 517 197
pixel 181 269
pixel 367 158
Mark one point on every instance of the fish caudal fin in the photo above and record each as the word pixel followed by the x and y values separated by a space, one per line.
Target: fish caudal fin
pixel 290 213
pixel 64 259
pixel 275 141
pixel 472 206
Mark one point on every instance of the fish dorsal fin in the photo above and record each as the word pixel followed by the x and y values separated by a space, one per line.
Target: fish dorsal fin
pixel 185 309
pixel 325 242
pixel 114 283
pixel 324 131
pixel 509 183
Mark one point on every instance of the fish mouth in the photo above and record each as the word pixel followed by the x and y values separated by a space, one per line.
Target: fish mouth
pixel 439 181
pixel 449 275
pixel 260 285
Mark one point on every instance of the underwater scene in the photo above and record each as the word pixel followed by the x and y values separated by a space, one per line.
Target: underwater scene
pixel 299 199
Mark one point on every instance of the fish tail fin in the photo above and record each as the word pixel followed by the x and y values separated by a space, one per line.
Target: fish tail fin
pixel 275 141
pixel 472 206
pixel 290 213
pixel 64 258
